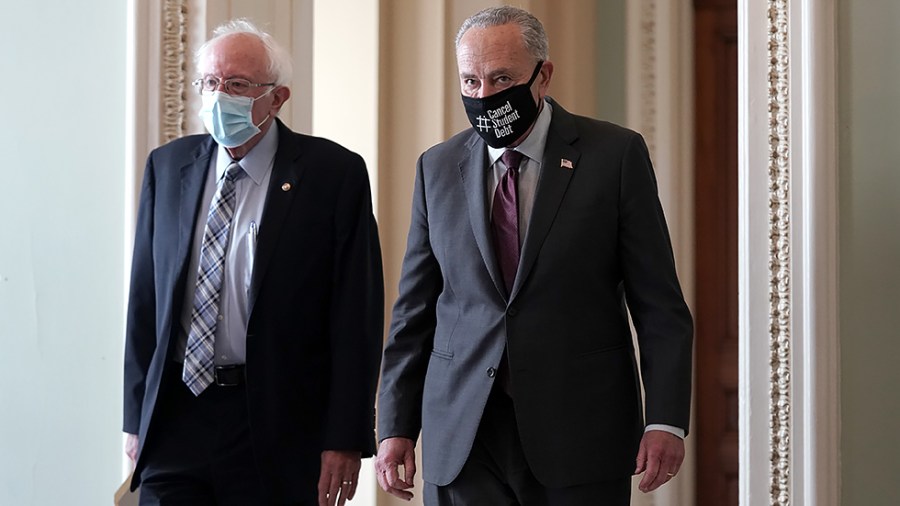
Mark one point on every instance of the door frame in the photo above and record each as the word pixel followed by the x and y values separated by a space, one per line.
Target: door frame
pixel 789 360
pixel 788 247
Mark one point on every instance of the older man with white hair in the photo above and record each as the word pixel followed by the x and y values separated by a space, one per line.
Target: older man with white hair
pixel 255 313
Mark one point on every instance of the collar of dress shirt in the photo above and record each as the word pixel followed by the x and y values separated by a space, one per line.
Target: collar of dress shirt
pixel 257 161
pixel 533 145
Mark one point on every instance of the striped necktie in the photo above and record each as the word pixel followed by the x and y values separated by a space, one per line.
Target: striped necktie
pixel 199 356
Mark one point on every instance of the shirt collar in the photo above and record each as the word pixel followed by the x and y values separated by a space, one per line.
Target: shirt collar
pixel 533 145
pixel 257 161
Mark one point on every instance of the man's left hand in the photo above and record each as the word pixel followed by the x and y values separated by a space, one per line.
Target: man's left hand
pixel 337 480
pixel 659 458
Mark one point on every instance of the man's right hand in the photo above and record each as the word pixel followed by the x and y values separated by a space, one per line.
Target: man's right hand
pixel 392 453
pixel 131 447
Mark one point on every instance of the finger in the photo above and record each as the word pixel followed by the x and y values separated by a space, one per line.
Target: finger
pixel 409 465
pixel 381 478
pixel 641 463
pixel 352 488
pixel 662 476
pixel 661 480
pixel 324 483
pixel 347 489
pixel 328 488
pixel 402 494
pixel 334 490
pixel 392 484
pixel 391 475
pixel 341 494
pixel 650 475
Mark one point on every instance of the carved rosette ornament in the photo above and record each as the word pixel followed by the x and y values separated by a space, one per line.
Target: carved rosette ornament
pixel 779 253
pixel 174 72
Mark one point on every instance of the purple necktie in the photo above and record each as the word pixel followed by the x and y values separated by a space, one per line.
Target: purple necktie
pixel 505 218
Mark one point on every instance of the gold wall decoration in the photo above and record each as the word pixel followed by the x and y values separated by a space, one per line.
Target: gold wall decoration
pixel 174 71
pixel 779 253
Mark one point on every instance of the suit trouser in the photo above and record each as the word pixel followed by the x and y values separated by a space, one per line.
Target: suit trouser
pixel 497 474
pixel 200 451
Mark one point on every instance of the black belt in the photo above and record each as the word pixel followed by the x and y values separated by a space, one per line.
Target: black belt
pixel 230 375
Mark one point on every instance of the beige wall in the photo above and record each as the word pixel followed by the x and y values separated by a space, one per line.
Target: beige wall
pixel 869 95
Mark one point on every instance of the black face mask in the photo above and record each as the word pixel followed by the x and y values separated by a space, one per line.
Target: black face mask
pixel 503 117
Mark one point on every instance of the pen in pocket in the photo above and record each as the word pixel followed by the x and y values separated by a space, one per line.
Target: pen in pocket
pixel 251 237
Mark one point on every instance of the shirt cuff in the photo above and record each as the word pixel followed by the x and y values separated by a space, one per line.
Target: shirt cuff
pixel 665 428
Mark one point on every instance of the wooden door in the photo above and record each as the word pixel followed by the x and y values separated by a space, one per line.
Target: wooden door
pixel 716 304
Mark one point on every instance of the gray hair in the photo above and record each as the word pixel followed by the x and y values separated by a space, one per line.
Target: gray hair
pixel 533 34
pixel 280 67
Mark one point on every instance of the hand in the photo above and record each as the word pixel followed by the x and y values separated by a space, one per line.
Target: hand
pixel 131 447
pixel 392 453
pixel 337 480
pixel 660 455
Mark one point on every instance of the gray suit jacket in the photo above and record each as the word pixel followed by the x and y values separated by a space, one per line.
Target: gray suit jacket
pixel 597 238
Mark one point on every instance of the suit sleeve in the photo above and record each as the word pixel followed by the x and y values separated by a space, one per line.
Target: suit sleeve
pixel 661 317
pixel 356 319
pixel 413 323
pixel 140 332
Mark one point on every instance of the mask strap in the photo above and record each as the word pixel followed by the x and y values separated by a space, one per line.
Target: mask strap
pixel 267 115
pixel 537 70
pixel 264 120
pixel 271 89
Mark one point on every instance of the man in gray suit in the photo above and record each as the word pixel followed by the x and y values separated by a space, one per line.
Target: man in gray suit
pixel 510 348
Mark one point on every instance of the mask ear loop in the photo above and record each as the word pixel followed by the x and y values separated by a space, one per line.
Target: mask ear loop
pixel 537 70
pixel 259 97
pixel 264 120
pixel 271 89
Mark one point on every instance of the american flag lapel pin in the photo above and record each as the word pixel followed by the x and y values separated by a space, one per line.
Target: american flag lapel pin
pixel 566 164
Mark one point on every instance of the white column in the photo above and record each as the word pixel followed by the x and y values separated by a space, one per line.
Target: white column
pixel 789 390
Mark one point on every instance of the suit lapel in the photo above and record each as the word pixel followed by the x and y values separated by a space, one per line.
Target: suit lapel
pixel 286 174
pixel 559 163
pixel 193 182
pixel 472 170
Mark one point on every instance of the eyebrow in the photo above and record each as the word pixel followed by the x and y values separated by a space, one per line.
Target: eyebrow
pixel 493 74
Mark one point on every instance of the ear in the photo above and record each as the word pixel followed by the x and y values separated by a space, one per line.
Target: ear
pixel 280 96
pixel 543 79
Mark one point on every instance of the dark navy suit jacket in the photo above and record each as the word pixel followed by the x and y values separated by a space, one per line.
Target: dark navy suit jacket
pixel 316 302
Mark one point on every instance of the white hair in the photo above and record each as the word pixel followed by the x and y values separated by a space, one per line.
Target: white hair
pixel 279 66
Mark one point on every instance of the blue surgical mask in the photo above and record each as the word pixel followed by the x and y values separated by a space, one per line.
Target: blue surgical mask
pixel 229 119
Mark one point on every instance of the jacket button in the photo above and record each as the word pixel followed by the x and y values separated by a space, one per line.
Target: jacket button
pixel 491 372
pixel 512 311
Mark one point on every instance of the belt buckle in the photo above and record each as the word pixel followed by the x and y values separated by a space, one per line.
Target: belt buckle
pixel 229 375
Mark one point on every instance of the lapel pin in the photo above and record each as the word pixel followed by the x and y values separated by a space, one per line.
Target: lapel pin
pixel 566 164
pixel 286 187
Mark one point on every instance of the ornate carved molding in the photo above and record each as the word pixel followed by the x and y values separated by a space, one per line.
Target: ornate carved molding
pixel 648 77
pixel 779 253
pixel 174 42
